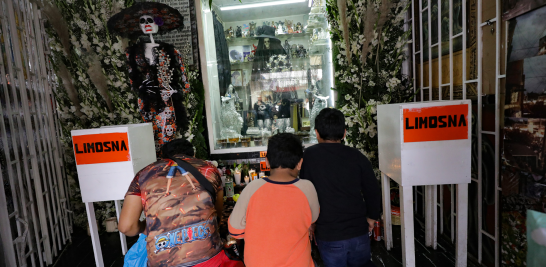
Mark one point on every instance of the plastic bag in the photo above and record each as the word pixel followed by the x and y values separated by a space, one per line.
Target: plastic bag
pixel 137 256
pixel 536 238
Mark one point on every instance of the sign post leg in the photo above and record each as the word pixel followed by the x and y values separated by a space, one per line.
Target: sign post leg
pixel 431 218
pixel 461 250
pixel 387 223
pixel 94 231
pixel 121 235
pixel 406 217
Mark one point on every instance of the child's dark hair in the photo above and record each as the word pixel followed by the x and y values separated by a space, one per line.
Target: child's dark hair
pixel 177 146
pixel 330 124
pixel 284 150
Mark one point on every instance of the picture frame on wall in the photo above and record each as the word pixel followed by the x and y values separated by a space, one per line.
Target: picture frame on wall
pixel 237 77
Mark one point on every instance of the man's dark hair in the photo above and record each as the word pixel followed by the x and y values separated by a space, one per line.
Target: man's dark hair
pixel 177 146
pixel 330 124
pixel 284 150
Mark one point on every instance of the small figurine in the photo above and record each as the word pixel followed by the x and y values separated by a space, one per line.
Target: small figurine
pixel 238 33
pixel 287 48
pixel 273 25
pixel 245 34
pixel 302 53
pixel 299 27
pixel 315 35
pixel 252 29
pixel 288 24
pixel 229 33
pixel 294 51
pixel 280 27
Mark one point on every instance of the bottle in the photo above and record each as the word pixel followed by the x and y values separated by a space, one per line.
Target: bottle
pixel 230 191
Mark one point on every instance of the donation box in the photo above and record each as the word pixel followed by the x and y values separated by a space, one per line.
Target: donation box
pixel 425 143
pixel 108 159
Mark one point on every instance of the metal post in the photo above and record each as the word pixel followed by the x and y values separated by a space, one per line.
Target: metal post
pixel 461 253
pixel 94 231
pixel 387 222
pixel 406 218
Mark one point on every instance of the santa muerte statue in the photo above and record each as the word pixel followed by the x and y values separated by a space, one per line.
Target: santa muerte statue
pixel 156 70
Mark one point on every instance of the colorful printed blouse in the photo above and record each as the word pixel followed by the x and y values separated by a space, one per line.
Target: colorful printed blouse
pixel 181 226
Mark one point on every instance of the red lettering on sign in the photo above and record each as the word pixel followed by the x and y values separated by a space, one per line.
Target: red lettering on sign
pixel 264 167
pixel 101 148
pixel 436 123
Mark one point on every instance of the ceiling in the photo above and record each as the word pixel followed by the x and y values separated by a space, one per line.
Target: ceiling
pixel 257 13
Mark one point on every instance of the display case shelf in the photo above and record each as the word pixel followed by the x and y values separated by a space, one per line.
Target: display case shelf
pixel 249 40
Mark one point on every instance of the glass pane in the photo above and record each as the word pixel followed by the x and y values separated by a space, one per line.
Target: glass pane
pixel 488 113
pixel 434 21
pixel 447 209
pixel 417 28
pixel 473 231
pixel 267 74
pixel 488 183
pixel 488 10
pixel 457 17
pixel 489 59
pixel 488 252
pixel 458 68
pixel 426 93
pixel 425 23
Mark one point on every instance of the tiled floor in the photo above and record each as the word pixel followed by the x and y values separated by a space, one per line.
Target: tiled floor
pixel 79 253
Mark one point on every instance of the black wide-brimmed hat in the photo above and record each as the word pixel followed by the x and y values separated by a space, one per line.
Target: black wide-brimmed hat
pixel 266 32
pixel 127 22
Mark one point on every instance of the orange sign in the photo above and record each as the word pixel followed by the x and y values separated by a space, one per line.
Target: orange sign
pixel 436 123
pixel 263 154
pixel 263 167
pixel 101 148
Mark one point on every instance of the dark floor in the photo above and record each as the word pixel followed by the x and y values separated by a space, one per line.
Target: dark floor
pixel 79 253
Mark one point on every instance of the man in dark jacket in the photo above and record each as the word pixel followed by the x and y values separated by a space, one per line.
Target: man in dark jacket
pixel 348 193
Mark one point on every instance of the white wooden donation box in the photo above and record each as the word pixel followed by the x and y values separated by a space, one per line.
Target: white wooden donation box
pixel 425 144
pixel 107 160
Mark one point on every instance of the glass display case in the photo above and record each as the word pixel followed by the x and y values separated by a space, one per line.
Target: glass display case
pixel 267 69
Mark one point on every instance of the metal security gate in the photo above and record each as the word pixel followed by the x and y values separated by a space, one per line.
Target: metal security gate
pixel 458 52
pixel 34 221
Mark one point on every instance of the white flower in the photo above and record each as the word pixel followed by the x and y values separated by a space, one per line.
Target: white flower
pixel 371 83
pixel 348 97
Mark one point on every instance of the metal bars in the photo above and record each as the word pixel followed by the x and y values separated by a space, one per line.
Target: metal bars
pixel 421 26
pixel 36 198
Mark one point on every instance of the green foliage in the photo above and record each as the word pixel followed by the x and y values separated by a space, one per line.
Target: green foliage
pixel 363 84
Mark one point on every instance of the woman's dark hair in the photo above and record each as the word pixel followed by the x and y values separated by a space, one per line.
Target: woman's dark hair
pixel 177 146
pixel 330 124
pixel 284 151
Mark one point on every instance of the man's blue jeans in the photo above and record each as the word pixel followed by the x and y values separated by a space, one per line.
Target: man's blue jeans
pixel 354 252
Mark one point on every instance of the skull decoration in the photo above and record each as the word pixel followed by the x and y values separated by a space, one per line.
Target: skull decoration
pixel 161 243
pixel 169 130
pixel 266 43
pixel 167 113
pixel 148 25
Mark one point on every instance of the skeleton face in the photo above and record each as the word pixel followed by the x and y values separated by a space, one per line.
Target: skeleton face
pixel 168 113
pixel 169 130
pixel 147 24
pixel 266 43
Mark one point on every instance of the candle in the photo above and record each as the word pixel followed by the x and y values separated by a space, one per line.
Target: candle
pixel 237 176
pixel 247 179
pixel 251 173
pixel 262 174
